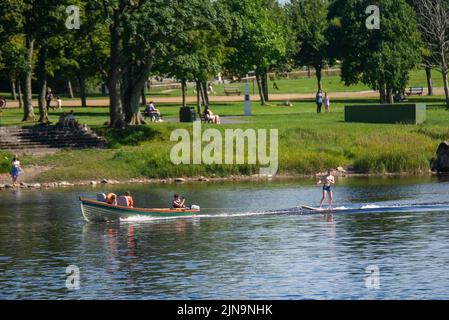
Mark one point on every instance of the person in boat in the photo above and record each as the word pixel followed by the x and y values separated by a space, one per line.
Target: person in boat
pixel 327 181
pixel 130 199
pixel 15 169
pixel 111 198
pixel 179 202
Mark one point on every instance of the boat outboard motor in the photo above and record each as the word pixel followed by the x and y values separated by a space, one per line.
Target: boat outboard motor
pixel 101 197
pixel 195 207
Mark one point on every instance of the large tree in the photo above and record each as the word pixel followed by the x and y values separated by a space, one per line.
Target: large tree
pixel 310 25
pixel 380 58
pixel 433 17
pixel 138 33
pixel 189 59
pixel 16 18
pixel 257 42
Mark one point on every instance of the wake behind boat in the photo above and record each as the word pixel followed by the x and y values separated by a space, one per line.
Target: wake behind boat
pixel 378 209
pixel 93 210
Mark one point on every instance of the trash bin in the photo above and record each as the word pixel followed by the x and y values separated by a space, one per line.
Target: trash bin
pixel 187 114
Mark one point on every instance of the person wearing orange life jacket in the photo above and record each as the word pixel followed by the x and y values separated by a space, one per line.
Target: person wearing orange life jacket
pixel 130 199
pixel 111 199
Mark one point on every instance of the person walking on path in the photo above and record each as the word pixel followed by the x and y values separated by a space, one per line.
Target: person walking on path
pixel 319 101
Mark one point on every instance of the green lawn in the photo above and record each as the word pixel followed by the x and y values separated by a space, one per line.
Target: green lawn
pixel 301 85
pixel 308 143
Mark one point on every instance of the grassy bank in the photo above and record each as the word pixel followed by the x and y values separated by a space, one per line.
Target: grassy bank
pixel 308 143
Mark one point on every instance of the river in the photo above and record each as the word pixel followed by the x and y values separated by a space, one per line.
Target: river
pixel 236 251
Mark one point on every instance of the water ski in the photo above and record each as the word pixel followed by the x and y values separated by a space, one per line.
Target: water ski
pixel 312 208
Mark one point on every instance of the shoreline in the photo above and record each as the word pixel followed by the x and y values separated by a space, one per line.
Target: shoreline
pixel 210 180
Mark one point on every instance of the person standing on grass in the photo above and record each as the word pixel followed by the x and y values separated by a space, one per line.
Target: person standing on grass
pixel 48 98
pixel 15 169
pixel 327 103
pixel 327 182
pixel 319 101
pixel 59 102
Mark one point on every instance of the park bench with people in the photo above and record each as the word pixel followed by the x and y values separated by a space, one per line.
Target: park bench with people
pixel 204 118
pixel 154 116
pixel 232 91
pixel 415 90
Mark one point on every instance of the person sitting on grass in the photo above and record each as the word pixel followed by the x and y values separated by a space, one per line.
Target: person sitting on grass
pixel 210 116
pixel 71 120
pixel 62 119
pixel 178 202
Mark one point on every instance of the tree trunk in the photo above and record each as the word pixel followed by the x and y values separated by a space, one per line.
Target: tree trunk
pixel 143 96
pixel 13 89
pixel 259 86
pixel 82 85
pixel 203 96
pixel 446 89
pixel 115 104
pixel 389 98
pixel 70 89
pixel 429 80
pixel 135 85
pixel 183 89
pixel 205 92
pixel 19 88
pixel 116 70
pixel 42 81
pixel 28 112
pixel 198 96
pixel 382 93
pixel 265 86
pixel 319 76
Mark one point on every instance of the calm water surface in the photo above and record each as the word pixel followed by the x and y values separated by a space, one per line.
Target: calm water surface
pixel 235 252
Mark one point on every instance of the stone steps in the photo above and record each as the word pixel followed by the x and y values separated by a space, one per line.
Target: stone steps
pixel 47 138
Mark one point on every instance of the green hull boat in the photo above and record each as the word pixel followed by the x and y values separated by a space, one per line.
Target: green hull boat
pixel 101 212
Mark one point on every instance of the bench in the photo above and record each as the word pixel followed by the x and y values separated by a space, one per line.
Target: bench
pixel 415 90
pixel 232 90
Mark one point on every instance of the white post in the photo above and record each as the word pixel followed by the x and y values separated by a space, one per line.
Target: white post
pixel 247 101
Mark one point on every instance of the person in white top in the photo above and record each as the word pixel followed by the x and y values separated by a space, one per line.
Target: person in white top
pixel 327 103
pixel 59 102
pixel 15 169
pixel 327 182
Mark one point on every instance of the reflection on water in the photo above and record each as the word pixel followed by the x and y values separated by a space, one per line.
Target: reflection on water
pixel 233 252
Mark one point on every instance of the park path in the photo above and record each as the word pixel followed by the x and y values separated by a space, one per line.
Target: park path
pixel 212 98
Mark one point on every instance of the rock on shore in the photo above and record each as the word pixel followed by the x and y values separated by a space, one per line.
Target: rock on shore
pixel 442 162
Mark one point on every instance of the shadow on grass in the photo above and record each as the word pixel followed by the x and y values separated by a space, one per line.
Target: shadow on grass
pixel 85 114
pixel 130 136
